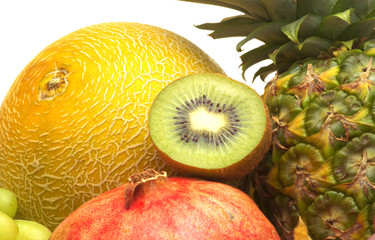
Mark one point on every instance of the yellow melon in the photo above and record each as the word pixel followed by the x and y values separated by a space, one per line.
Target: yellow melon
pixel 74 122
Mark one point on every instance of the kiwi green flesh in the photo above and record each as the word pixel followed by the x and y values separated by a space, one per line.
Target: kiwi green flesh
pixel 207 121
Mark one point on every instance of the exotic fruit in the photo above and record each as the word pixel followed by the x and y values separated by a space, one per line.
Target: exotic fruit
pixel 74 123
pixel 319 181
pixel 202 125
pixel 152 206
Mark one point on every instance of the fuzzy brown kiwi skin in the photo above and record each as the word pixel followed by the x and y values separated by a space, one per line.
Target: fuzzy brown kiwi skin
pixel 235 171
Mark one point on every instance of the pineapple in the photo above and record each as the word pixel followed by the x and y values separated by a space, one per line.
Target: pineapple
pixel 318 181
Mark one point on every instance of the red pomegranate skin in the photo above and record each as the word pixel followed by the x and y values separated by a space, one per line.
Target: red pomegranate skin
pixel 171 208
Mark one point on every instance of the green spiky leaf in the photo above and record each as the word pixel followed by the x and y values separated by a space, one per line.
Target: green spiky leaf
pixel 301 29
pixel 371 15
pixel 256 55
pixel 253 8
pixel 218 3
pixel 358 30
pixel 347 44
pixel 332 26
pixel 368 45
pixel 273 8
pixel 256 10
pixel 345 15
pixel 291 29
pixel 340 6
pixel 363 8
pixel 269 33
pixel 313 46
pixel 286 52
pixel 233 26
pixel 316 7
pixel 263 72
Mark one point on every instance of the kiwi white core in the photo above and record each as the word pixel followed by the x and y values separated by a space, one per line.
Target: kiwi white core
pixel 203 120
pixel 207 121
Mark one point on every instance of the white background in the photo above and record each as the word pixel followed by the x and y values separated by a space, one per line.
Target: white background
pixel 26 27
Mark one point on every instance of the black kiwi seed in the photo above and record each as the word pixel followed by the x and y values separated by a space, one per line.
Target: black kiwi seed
pixel 189 135
pixel 211 126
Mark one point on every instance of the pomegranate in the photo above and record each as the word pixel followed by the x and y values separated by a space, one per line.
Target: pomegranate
pixel 153 206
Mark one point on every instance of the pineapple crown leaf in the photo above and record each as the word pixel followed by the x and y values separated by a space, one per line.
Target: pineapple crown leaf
pixel 362 29
pixel 256 55
pixel 219 3
pixel 263 72
pixel 240 26
pixel 314 46
pixel 269 33
pixel 287 47
pixel 368 45
pixel 253 8
pixel 340 21
pixel 345 15
pixel 317 7
pixel 363 8
pixel 347 44
pixel 291 29
pixel 273 7
pixel 294 30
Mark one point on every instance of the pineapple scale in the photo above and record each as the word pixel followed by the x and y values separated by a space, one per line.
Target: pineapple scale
pixel 321 167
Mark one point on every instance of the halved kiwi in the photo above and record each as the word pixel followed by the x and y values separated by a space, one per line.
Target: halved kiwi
pixel 211 126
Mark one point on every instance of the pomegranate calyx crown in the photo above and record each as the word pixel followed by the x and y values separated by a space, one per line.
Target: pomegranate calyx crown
pixel 138 179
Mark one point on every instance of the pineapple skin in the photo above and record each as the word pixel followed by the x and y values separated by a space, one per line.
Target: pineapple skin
pixel 318 180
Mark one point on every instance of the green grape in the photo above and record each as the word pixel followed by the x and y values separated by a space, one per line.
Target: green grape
pixel 8 202
pixel 8 227
pixel 30 230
